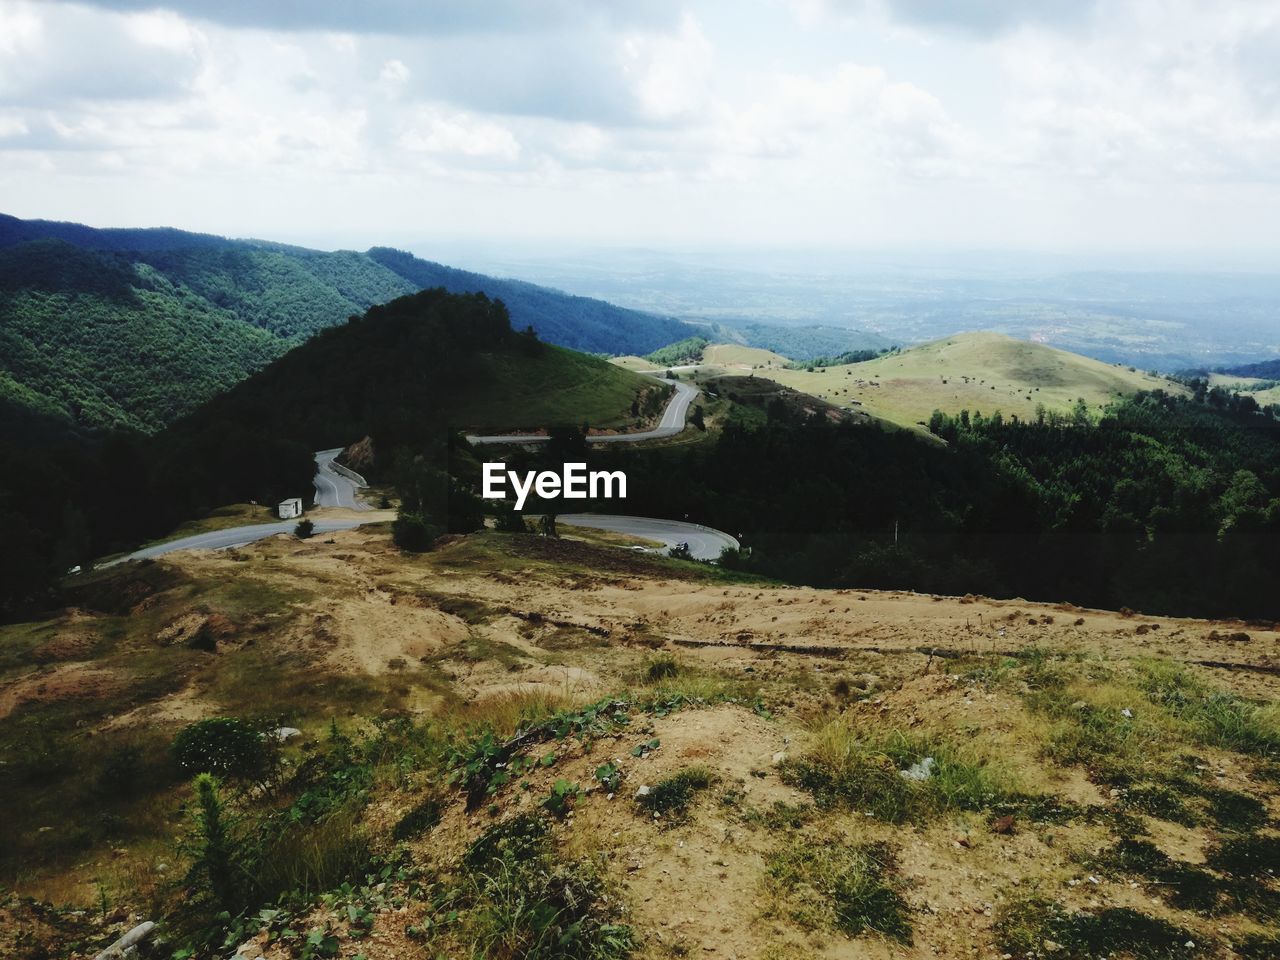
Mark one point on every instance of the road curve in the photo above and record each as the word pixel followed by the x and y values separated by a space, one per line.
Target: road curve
pixel 332 488
pixel 234 537
pixel 704 543
pixel 673 421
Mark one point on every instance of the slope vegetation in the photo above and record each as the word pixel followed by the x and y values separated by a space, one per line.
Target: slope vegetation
pixel 985 372
pixel 409 374
pixel 706 767
pixel 104 329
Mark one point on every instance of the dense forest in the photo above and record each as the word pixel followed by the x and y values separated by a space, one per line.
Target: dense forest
pixel 1165 505
pixel 111 329
pixel 411 373
pixel 688 350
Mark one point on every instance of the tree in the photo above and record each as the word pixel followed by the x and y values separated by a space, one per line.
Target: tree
pixel 696 417
pixel 304 529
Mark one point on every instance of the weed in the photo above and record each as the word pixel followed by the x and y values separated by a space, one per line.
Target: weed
pixel 863 770
pixel 308 858
pixel 559 801
pixel 671 797
pixel 1034 926
pixel 843 887
pixel 1259 946
pixel 517 837
pixel 664 668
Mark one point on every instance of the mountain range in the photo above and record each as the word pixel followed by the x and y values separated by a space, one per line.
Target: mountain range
pixel 131 328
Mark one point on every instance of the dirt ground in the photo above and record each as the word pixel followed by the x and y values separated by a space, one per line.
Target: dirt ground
pixel 346 626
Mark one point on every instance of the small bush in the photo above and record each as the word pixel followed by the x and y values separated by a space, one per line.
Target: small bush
pixel 309 858
pixel 863 771
pixel 414 532
pixel 843 887
pixel 671 797
pixel 225 746
pixel 1023 926
pixel 304 530
pixel 661 669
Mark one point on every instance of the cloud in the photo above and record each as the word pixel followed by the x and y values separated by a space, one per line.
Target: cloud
pixel 406 16
pixel 50 55
pixel 983 18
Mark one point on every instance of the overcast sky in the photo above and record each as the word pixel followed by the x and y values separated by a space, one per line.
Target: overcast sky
pixel 1127 126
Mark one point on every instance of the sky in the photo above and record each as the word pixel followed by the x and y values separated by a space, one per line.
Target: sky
pixel 1125 127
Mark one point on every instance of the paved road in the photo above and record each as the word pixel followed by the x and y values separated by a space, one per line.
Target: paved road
pixel 332 488
pixel 704 542
pixel 233 537
pixel 672 423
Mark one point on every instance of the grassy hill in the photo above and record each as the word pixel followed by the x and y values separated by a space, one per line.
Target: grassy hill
pixel 707 767
pixel 102 329
pixel 1263 390
pixel 985 372
pixel 737 356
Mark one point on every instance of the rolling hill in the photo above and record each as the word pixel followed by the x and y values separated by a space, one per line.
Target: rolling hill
pixel 103 329
pixel 409 374
pixel 985 372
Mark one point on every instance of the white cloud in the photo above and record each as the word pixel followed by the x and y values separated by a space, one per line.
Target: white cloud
pixel 991 122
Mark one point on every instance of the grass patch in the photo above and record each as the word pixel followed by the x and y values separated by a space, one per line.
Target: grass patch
pixel 671 797
pixel 864 770
pixel 516 901
pixel 1037 927
pixel 839 886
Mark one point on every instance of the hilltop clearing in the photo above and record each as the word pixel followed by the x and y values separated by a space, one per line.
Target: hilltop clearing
pixel 707 766
pixel 985 372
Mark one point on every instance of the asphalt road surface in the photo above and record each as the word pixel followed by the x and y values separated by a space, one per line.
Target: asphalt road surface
pixel 233 537
pixel 332 488
pixel 673 421
pixel 704 542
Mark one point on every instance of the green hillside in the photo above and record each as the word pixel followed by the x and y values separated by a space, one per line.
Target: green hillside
pixel 105 329
pixel 410 374
pixel 91 339
pixel 982 371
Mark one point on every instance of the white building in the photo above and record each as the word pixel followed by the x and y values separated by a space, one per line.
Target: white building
pixel 291 508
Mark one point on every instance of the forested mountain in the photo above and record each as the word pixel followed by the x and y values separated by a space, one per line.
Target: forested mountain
pixel 1264 370
pixel 90 339
pixel 101 329
pixel 409 373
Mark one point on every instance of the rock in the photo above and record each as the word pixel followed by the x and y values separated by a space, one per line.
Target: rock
pixel 1050 946
pixel 779 756
pixel 1003 824
pixel 285 734
pixel 919 771
pixel 126 943
pixel 642 791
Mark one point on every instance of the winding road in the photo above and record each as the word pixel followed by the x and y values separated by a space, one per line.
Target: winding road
pixel 673 422
pixel 332 488
pixel 337 491
pixel 705 543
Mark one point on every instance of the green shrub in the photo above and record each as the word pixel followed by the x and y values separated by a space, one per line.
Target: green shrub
pixel 304 529
pixel 843 887
pixel 1023 926
pixel 414 532
pixel 225 746
pixel 664 668
pixel 310 858
pixel 671 797
pixel 219 861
